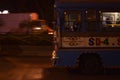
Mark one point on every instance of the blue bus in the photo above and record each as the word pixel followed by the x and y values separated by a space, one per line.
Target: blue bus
pixel 87 34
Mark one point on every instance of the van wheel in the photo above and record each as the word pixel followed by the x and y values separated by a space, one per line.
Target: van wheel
pixel 90 63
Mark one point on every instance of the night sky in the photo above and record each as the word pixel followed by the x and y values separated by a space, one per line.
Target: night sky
pixel 43 7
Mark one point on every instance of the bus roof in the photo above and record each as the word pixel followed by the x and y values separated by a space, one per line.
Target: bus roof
pixel 89 1
pixel 99 4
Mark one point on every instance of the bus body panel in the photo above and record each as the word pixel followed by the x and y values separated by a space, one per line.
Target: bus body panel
pixel 66 57
pixel 97 35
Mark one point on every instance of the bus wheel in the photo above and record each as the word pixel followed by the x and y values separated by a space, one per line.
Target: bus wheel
pixel 90 63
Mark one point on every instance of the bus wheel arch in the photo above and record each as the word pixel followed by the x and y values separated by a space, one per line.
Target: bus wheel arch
pixel 90 63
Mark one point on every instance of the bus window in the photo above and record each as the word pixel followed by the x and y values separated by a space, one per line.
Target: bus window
pixel 91 21
pixel 72 21
pixel 110 21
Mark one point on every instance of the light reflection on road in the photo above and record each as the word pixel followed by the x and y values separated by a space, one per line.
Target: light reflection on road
pixel 34 68
pixel 26 73
pixel 26 68
pixel 35 74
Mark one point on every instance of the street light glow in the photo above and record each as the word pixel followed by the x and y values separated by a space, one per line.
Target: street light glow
pixel 4 12
pixel 0 12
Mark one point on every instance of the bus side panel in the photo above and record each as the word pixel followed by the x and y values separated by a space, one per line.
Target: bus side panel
pixel 67 57
pixel 109 58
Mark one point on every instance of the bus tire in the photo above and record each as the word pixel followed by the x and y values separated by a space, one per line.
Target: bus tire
pixel 90 63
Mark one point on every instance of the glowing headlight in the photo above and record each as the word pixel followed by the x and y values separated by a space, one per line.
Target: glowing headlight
pixel 50 32
pixel 37 28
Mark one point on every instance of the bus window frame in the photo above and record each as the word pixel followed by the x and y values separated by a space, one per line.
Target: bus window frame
pixel 89 21
pixel 78 13
pixel 113 27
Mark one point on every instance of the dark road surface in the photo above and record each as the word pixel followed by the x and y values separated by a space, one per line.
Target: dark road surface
pixel 39 67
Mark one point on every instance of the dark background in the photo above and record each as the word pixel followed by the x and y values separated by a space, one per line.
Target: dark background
pixel 43 7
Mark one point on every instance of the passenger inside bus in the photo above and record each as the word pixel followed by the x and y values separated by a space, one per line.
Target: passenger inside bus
pixel 108 20
pixel 118 21
pixel 77 25
pixel 72 21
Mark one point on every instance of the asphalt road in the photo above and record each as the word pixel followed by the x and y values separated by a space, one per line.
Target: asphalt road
pixel 39 67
